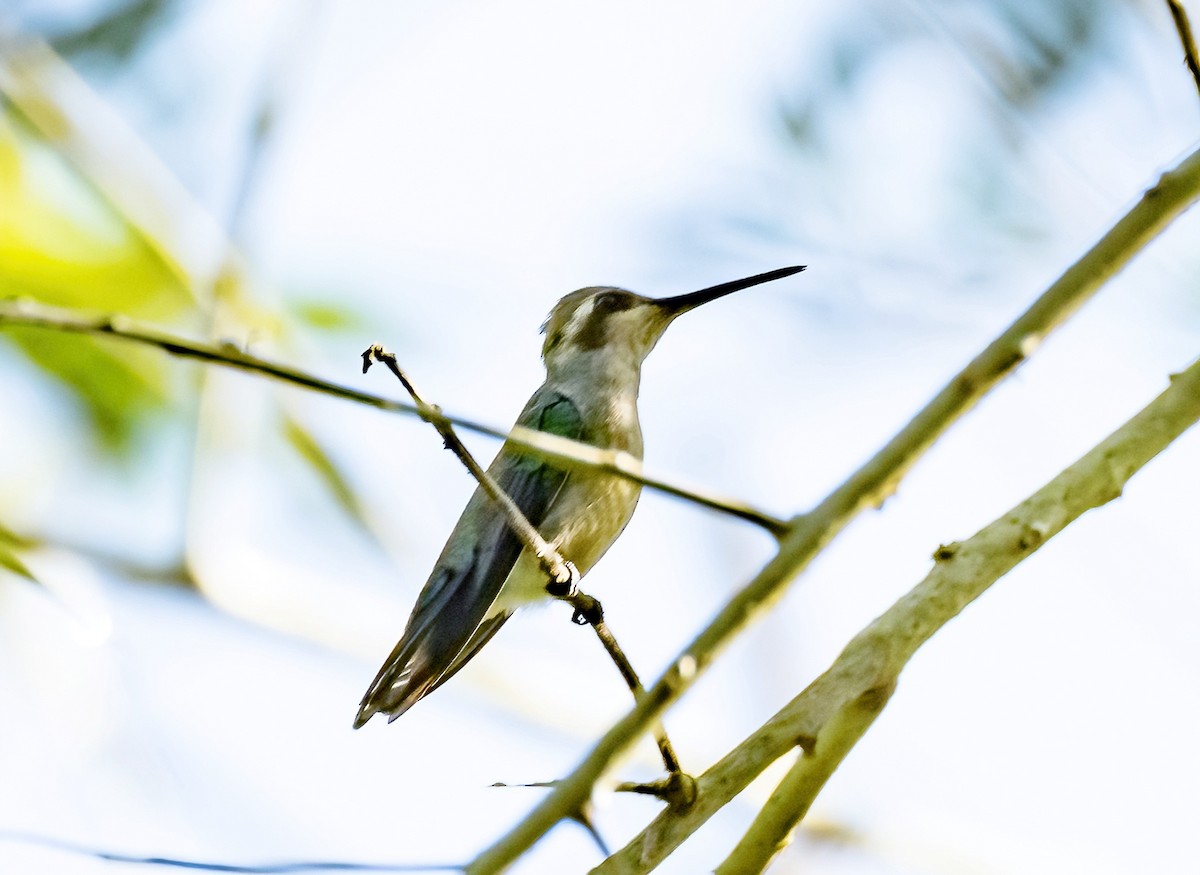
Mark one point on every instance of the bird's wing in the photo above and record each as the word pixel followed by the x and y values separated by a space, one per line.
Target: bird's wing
pixel 448 624
pixel 482 635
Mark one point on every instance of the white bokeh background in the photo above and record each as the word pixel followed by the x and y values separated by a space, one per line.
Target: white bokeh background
pixel 446 172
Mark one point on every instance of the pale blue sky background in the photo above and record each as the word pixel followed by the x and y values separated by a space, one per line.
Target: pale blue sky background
pixel 446 172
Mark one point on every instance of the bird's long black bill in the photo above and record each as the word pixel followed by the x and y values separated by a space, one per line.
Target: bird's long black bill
pixel 683 303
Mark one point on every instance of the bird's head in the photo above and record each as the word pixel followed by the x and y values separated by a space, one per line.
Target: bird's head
pixel 621 327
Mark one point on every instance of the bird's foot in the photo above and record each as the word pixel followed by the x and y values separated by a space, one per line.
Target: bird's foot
pixel 588 611
pixel 566 585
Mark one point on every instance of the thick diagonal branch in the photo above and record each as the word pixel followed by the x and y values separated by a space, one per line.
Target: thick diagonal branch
pixel 829 716
pixel 1175 191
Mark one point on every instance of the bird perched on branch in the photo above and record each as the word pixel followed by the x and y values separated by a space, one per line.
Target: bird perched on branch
pixel 596 341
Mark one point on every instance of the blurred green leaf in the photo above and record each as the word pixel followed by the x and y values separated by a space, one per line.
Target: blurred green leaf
pixel 9 560
pixel 119 33
pixel 12 539
pixel 304 443
pixel 117 389
pixel 326 315
pixel 61 243
pixel 1028 52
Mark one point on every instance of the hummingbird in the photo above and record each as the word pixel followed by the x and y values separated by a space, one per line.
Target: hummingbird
pixel 596 339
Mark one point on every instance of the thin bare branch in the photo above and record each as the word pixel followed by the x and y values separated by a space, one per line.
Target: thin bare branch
pixel 557 569
pixel 1175 191
pixel 1184 28
pixel 202 866
pixel 570 452
pixel 562 576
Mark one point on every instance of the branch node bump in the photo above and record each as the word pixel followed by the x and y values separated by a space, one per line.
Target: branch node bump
pixel 945 552
pixel 677 789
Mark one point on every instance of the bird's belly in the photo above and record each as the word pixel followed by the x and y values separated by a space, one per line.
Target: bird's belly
pixel 581 533
pixel 525 584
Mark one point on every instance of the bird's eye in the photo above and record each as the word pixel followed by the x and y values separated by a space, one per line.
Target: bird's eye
pixel 609 301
